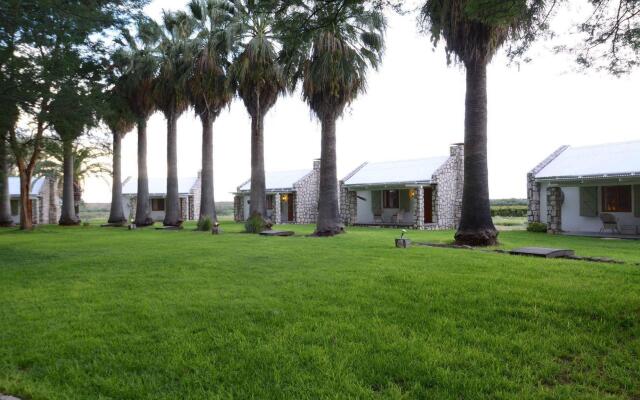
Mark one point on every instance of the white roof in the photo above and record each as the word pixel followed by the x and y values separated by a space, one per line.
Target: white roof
pixel 599 160
pixel 159 185
pixel 279 180
pixel 14 186
pixel 391 172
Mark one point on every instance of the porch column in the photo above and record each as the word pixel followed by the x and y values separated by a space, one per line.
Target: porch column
pixel 555 198
pixel 277 215
pixel 418 211
pixel 533 197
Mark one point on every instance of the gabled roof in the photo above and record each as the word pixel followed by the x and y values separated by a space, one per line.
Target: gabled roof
pixel 159 185
pixel 396 172
pixel 613 159
pixel 14 186
pixel 278 180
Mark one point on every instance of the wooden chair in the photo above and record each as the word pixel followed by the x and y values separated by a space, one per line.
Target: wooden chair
pixel 609 221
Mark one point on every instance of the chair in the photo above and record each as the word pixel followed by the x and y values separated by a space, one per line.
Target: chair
pixel 609 221
pixel 377 217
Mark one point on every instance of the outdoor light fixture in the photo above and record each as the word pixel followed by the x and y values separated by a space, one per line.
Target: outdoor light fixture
pixel 285 197
pixel 412 193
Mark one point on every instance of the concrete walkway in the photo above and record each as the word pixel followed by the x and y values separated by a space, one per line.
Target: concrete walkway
pixel 5 397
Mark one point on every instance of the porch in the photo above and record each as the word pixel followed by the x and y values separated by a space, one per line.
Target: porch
pixel 392 206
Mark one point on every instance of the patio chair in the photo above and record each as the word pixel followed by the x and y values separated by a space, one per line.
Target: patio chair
pixel 377 217
pixel 609 221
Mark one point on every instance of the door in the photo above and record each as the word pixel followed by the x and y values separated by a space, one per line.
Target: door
pixel 428 205
pixel 290 206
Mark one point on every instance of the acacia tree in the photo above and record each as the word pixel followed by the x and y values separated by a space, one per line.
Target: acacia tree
pixel 208 88
pixel 170 93
pixel 473 31
pixel 120 119
pixel 330 47
pixel 137 60
pixel 258 77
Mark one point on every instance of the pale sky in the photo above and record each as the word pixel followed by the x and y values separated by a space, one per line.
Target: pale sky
pixel 414 108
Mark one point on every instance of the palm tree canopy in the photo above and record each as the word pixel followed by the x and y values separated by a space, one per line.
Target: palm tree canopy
pixel 89 159
pixel 175 56
pixel 256 72
pixel 116 113
pixel 475 29
pixel 330 46
pixel 137 64
pixel 208 87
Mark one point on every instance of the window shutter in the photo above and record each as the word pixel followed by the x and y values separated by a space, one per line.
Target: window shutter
pixel 636 200
pixel 376 198
pixel 404 200
pixel 589 201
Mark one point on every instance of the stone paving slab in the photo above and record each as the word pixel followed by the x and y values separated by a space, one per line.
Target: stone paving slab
pixel 543 252
pixel 6 397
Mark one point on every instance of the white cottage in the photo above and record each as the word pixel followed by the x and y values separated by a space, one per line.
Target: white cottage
pixel 45 202
pixel 188 190
pixel 424 193
pixel 292 196
pixel 587 189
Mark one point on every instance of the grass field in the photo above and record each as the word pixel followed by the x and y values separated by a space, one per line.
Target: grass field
pixel 105 313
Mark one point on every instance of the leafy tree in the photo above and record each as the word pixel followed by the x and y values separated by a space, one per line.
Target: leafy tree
pixel 117 115
pixel 259 80
pixel 171 96
pixel 137 64
pixel 330 47
pixel 473 31
pixel 6 123
pixel 208 86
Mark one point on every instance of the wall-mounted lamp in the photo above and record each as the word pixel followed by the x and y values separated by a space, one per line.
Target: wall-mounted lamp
pixel 284 197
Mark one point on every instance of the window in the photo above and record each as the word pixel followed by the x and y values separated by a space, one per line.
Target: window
pixel 390 199
pixel 616 198
pixel 270 202
pixel 157 204
pixel 15 207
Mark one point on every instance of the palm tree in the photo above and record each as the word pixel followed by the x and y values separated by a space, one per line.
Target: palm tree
pixel 342 40
pixel 473 31
pixel 120 120
pixel 170 93
pixel 138 61
pixel 208 87
pixel 259 80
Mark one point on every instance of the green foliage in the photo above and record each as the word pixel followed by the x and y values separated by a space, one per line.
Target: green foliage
pixel 537 227
pixel 205 224
pixel 509 211
pixel 349 317
pixel 255 224
pixel 509 202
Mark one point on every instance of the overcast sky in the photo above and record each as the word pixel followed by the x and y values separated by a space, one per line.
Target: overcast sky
pixel 413 108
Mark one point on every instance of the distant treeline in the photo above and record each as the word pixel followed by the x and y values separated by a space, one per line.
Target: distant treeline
pixel 509 202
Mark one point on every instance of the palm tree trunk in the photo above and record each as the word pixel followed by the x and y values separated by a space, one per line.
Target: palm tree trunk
pixel 5 196
pixel 328 223
pixel 476 226
pixel 68 216
pixel 207 200
pixel 172 203
pixel 258 197
pixel 143 208
pixel 116 214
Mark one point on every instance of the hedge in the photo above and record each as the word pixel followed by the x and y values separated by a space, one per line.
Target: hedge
pixel 509 211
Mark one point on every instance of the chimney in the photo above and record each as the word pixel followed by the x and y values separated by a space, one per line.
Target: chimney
pixel 456 149
pixel 316 164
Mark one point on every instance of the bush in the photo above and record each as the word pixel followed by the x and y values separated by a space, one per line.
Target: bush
pixel 255 224
pixel 205 224
pixel 537 227
pixel 509 211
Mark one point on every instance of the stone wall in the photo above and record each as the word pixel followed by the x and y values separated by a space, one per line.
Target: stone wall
pixel 533 188
pixel 448 182
pixel 348 205
pixel 238 208
pixel 48 211
pixel 307 192
pixel 418 211
pixel 196 192
pixel 555 198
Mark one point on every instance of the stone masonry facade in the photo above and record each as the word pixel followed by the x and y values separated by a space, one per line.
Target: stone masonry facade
pixel 533 188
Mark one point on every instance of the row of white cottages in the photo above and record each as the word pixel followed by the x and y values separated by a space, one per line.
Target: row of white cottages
pixel 570 191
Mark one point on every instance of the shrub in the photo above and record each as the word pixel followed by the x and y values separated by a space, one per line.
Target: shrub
pixel 537 227
pixel 205 224
pixel 86 223
pixel 255 224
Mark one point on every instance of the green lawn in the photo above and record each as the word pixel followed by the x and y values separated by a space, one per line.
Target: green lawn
pixel 105 313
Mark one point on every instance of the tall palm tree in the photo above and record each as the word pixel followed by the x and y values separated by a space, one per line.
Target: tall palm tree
pixel 474 30
pixel 208 87
pixel 120 120
pixel 139 64
pixel 170 93
pixel 259 80
pixel 342 39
